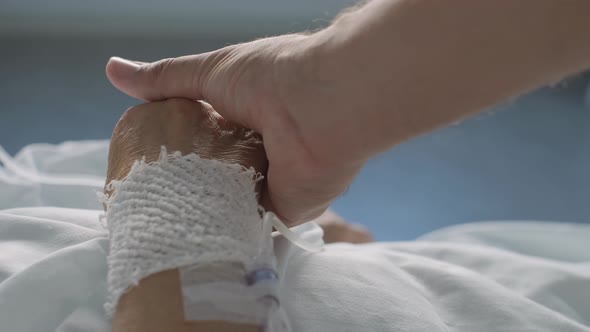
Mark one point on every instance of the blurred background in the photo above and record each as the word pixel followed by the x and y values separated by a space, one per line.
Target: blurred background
pixel 528 159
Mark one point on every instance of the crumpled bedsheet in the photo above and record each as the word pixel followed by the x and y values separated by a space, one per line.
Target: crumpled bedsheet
pixel 480 277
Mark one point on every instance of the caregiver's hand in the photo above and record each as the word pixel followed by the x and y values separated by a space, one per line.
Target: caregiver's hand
pixel 393 69
pixel 259 85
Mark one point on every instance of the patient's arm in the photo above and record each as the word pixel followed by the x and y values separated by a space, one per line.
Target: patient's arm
pixel 155 304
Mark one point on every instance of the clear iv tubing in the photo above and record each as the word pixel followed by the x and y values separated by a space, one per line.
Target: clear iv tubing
pixel 263 269
pixel 260 268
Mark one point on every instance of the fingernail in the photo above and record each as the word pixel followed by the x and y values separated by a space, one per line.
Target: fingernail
pixel 123 66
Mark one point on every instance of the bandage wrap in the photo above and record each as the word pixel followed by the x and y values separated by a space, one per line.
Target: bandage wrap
pixel 190 213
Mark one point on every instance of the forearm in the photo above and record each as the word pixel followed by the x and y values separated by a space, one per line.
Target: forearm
pixel 414 65
pixel 155 305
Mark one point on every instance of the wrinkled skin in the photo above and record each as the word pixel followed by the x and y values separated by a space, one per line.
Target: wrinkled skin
pixel 194 127
pixel 180 125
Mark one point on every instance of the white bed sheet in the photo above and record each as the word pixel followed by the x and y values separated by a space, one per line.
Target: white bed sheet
pixel 518 276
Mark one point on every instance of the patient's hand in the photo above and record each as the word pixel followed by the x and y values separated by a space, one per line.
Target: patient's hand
pixel 155 304
pixel 180 125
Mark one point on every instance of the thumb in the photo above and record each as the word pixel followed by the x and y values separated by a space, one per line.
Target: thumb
pixel 167 78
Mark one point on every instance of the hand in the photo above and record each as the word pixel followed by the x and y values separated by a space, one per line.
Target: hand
pixel 380 74
pixel 155 304
pixel 260 85
pixel 180 125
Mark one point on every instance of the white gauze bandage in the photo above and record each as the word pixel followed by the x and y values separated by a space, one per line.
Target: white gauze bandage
pixel 201 216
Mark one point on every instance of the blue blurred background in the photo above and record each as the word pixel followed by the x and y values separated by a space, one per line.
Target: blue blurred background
pixel 526 159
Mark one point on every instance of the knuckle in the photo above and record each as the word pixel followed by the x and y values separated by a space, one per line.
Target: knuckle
pixel 128 120
pixel 131 112
pixel 241 146
pixel 129 115
pixel 156 70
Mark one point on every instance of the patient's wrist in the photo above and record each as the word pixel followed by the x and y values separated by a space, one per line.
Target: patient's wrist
pixel 194 224
pixel 178 212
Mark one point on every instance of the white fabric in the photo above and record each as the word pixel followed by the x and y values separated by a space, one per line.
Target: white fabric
pixel 520 276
